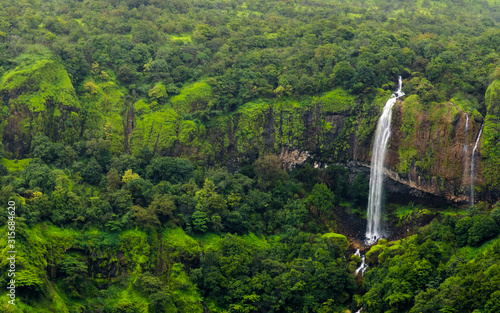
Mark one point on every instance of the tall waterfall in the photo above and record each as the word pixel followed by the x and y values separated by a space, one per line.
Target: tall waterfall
pixel 465 149
pixel 466 146
pixel 374 231
pixel 472 167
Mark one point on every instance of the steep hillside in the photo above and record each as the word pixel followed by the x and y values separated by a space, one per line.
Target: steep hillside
pixel 214 156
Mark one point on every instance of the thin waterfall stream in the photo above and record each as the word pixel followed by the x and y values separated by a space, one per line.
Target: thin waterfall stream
pixel 472 165
pixel 362 268
pixel 382 135
pixel 466 146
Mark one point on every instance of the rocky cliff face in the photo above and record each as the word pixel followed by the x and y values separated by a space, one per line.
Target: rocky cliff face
pixel 427 149
pixel 430 151
pixel 37 98
pixel 426 152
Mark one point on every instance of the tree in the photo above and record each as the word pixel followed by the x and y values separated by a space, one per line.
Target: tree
pixel 174 170
pixel 268 170
pixel 209 201
pixel 342 75
pixel 38 175
pixel 144 217
pixel 203 32
pixel 141 191
pixel 158 93
pixel 495 214
pixel 462 230
pixel 126 74
pixel 128 176
pixel 482 229
pixel 199 220
pixel 163 206
pixel 76 276
pixel 160 302
pixel 114 181
pixel 92 173
pixel 321 198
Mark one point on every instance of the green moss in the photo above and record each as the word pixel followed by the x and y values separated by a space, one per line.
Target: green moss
pixel 257 242
pixel 141 107
pixel 136 250
pixel 114 133
pixel 41 100
pixel 188 130
pixel 490 141
pixel 338 239
pixel 406 157
pixel 469 252
pixel 180 245
pixel 156 130
pixel 184 293
pixel 208 241
pixel 336 101
pixel 372 256
pixel 15 165
pixel 369 116
pixel 41 81
pixel 185 38
pixel 192 98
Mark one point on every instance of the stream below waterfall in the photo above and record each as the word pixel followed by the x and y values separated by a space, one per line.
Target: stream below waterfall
pixel 362 268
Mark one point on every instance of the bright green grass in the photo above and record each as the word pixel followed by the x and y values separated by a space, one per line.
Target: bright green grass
pixel 211 241
pixel 472 252
pixel 453 211
pixel 180 244
pixel 256 105
pixel 185 38
pixel 184 292
pixel 15 165
pixel 255 241
pixel 336 101
pixel 404 210
pixel 208 241
pixel 193 97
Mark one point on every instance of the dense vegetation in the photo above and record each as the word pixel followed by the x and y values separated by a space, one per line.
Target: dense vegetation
pixel 139 142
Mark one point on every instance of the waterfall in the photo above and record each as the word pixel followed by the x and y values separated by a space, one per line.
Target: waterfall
pixel 466 146
pixel 465 150
pixel 472 167
pixel 373 231
pixel 362 268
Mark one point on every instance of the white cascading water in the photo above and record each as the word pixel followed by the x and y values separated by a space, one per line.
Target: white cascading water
pixel 373 230
pixel 362 268
pixel 472 167
pixel 466 146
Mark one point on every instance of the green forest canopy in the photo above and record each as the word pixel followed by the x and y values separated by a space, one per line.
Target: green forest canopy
pixel 129 200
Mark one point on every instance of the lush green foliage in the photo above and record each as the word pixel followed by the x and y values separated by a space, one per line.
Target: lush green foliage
pixel 139 142
pixel 426 272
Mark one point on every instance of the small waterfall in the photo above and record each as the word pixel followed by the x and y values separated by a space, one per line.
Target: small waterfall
pixel 362 268
pixel 465 151
pixel 472 167
pixel 373 231
pixel 359 311
pixel 466 146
